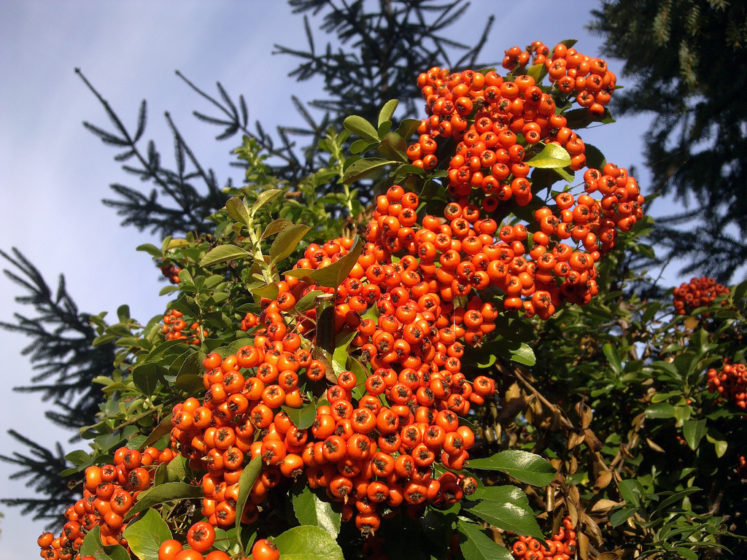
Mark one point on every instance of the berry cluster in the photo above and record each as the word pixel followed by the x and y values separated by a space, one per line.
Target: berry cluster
pixel 175 328
pixel 730 382
pixel 494 122
pixel 374 451
pixel 109 492
pixel 171 272
pixel 587 78
pixel 561 546
pixel 698 292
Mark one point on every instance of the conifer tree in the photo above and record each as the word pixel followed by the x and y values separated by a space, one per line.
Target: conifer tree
pixel 685 56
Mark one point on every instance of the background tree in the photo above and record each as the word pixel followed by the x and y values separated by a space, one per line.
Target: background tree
pixel 371 56
pixel 684 56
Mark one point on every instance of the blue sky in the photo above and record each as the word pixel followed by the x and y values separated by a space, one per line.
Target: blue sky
pixel 53 173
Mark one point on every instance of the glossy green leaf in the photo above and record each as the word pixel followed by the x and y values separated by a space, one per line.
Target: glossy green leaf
pixel 302 417
pixel 523 466
pixel 478 546
pixel 537 71
pixel 263 198
pixel 92 546
pixel 340 355
pixel 308 301
pixel 144 537
pixel 79 457
pixel 387 111
pixel 523 355
pixel 333 275
pixel 239 211
pixel 595 159
pixel 275 226
pixel 176 469
pixel 613 359
pixel 150 249
pixel 660 410
pixel 246 482
pixel 487 362
pixel 163 428
pixel 287 241
pixel 307 543
pixel 506 507
pixel 169 492
pixel 620 516
pixel 269 291
pixel 393 146
pixel 552 156
pixel 365 167
pixel 360 126
pixel 146 376
pixel 310 510
pixel 223 253
pixel 719 446
pixel 360 146
pixel 630 491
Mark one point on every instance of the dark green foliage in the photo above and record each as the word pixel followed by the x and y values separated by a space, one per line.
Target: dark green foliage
pixel 687 57
pixel 65 360
pixel 175 204
pixel 376 56
pixel 60 347
pixel 379 52
pixel 41 467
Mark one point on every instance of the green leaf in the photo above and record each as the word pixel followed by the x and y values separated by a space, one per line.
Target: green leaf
pixel 246 481
pixel 307 543
pixel 340 355
pixel 687 553
pixel 145 536
pixel 176 469
pixel 239 211
pixel 364 167
pixel 223 253
pixel 491 359
pixel 146 376
pixel 478 546
pixel 263 198
pixel 92 546
pixel 523 466
pixel 168 492
pixel 360 126
pixel 552 156
pixel 537 71
pixel 310 510
pixel 276 226
pixel 150 249
pixel 610 352
pixel 387 111
pixel 269 291
pixel 621 515
pixel 506 507
pixel 719 446
pixel 79 457
pixel 682 412
pixel 287 241
pixel 123 313
pixel 333 275
pixel 523 355
pixel 660 410
pixel 360 146
pixel 302 417
pixel 308 301
pixel 630 491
